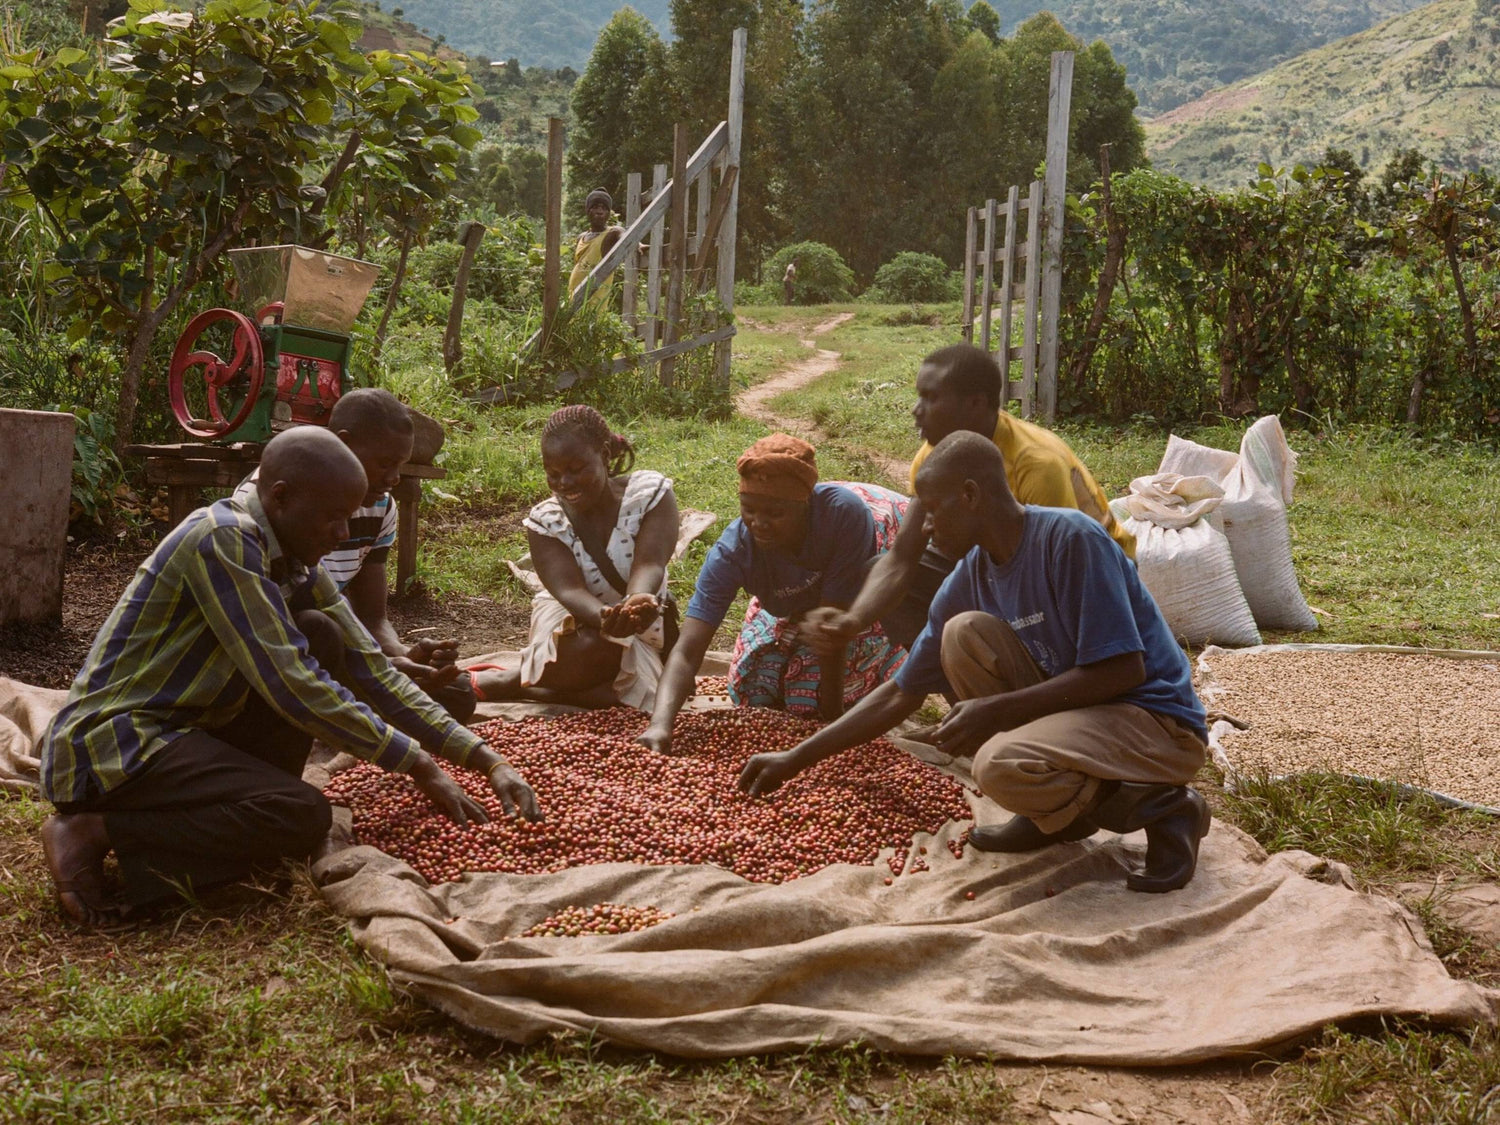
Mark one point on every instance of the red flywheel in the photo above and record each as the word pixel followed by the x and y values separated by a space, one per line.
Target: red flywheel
pixel 230 386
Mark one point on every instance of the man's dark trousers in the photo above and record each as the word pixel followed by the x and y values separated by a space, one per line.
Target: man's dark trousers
pixel 214 806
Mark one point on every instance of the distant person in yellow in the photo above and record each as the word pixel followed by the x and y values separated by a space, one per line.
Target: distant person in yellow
pixel 958 388
pixel 594 243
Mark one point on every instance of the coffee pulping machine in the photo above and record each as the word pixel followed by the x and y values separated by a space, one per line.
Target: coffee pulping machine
pixel 285 367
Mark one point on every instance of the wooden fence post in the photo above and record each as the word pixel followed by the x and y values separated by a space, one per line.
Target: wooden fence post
pixel 1059 107
pixel 469 237
pixel 711 231
pixel 987 292
pixel 1033 285
pixel 653 263
pixel 552 255
pixel 971 248
pixel 700 224
pixel 729 229
pixel 678 229
pixel 632 212
pixel 1008 288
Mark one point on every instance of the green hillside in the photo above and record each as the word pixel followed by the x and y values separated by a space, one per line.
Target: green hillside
pixel 1429 79
pixel 514 101
pixel 1173 50
pixel 1177 50
pixel 549 33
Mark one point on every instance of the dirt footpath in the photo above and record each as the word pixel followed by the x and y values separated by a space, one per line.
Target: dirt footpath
pixel 753 401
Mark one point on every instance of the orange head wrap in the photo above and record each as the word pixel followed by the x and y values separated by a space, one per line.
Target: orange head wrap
pixel 779 466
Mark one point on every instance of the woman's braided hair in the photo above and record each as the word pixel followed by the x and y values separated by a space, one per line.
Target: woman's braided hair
pixel 589 425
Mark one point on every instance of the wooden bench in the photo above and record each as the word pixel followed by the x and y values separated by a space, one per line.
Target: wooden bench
pixel 186 468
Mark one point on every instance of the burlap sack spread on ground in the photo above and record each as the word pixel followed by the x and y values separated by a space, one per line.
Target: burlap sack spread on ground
pixel 25 712
pixel 1053 959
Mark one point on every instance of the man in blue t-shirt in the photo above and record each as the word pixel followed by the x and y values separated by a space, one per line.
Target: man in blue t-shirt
pixel 1074 699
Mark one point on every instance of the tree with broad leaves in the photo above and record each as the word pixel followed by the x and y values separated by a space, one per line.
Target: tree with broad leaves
pixel 204 129
pixel 410 123
pixel 1459 220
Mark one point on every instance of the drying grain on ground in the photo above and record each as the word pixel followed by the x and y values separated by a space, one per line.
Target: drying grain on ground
pixel 1417 719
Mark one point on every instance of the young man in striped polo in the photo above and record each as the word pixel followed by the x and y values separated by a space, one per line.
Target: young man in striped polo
pixel 378 430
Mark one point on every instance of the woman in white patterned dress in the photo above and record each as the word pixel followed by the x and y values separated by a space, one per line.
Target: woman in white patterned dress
pixel 600 544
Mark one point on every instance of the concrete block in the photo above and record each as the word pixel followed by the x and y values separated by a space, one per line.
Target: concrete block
pixel 36 477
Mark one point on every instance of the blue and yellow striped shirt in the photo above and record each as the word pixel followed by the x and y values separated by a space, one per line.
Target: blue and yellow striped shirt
pixel 205 622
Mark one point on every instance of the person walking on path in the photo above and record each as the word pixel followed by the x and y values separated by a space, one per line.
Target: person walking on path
pixel 182 742
pixel 1074 699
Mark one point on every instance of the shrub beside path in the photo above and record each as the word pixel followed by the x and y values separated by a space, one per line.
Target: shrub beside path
pixel 754 402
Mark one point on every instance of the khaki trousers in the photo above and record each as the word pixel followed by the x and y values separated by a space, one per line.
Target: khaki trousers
pixel 1049 770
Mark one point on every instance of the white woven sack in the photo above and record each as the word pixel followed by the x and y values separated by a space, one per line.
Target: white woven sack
pixel 1257 488
pixel 1189 570
pixel 1194 460
pixel 1172 500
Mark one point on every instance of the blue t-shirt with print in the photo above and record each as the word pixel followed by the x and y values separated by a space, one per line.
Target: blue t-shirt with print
pixel 829 569
pixel 1072 597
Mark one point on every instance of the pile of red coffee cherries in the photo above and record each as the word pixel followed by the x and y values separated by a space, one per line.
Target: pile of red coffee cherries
pixel 608 799
pixel 602 918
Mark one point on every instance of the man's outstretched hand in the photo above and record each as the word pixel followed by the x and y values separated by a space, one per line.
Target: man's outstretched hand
pixel 765 773
pixel 515 795
pixel 826 630
pixel 969 724
pixel 429 663
pixel 447 794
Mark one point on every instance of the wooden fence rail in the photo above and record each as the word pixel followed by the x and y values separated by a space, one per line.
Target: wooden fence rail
pixel 989 303
pixel 990 239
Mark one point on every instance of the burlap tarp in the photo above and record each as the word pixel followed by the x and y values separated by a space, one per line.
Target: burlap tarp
pixel 1052 959
pixel 25 712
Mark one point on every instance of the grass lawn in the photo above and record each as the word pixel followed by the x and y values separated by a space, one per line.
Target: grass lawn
pixel 256 1006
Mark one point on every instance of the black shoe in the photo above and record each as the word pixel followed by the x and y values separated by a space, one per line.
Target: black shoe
pixel 1175 818
pixel 1022 835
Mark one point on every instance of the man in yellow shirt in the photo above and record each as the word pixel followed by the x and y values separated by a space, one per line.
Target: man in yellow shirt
pixel 958 388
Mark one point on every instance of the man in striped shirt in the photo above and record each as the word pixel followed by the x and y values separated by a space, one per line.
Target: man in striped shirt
pixel 182 742
pixel 377 428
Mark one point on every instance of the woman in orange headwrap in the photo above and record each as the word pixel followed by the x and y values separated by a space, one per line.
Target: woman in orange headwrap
pixel 797 545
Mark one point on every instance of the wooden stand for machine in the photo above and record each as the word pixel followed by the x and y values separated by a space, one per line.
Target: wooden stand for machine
pixel 186 468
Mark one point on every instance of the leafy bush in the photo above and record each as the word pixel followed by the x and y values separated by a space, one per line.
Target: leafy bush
pixel 97 472
pixel 1286 297
pixel 507 269
pixel 911 277
pixel 822 276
